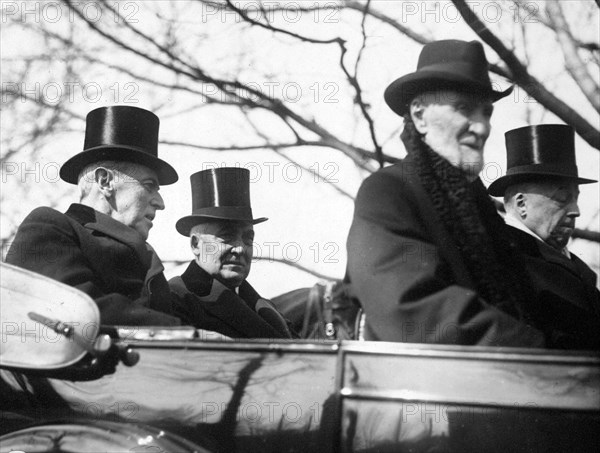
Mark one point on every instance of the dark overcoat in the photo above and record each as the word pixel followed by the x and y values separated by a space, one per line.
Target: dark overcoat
pixel 208 304
pixel 100 256
pixel 408 273
pixel 565 291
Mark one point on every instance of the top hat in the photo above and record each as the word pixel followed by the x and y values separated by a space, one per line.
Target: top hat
pixel 219 194
pixel 120 133
pixel 446 64
pixel 541 152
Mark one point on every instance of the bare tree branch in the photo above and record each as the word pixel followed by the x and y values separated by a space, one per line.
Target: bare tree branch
pixel 351 78
pixel 270 27
pixel 573 63
pixel 530 84
pixel 354 82
pixel 234 89
pixel 360 6
pixel 158 57
pixel 297 266
pixel 237 147
pixel 39 130
pixel 278 150
pixel 545 20
pixel 318 175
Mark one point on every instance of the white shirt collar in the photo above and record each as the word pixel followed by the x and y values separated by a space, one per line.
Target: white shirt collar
pixel 515 222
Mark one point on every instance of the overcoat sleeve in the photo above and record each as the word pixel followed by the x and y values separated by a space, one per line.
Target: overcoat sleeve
pixel 399 272
pixel 47 243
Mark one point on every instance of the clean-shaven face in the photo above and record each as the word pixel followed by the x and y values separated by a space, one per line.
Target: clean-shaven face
pixel 224 250
pixel 136 198
pixel 551 209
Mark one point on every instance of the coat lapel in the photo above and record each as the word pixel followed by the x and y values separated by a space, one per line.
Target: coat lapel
pixel 586 273
pixel 108 226
pixel 534 247
pixel 225 305
pixel 264 308
pixel 156 266
pixel 584 279
pixel 155 288
pixel 554 256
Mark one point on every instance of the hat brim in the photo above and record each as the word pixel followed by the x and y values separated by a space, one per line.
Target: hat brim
pixel 403 90
pixel 185 224
pixel 499 186
pixel 70 170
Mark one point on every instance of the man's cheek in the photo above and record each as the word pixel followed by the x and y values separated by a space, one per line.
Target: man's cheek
pixel 210 251
pixel 211 257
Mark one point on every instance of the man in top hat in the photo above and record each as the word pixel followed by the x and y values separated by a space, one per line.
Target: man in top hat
pixel 99 244
pixel 540 191
pixel 213 290
pixel 426 257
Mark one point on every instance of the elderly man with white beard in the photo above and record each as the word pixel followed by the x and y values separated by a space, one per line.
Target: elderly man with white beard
pixel 427 257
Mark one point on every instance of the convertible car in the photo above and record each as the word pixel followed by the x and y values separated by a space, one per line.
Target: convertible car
pixel 69 385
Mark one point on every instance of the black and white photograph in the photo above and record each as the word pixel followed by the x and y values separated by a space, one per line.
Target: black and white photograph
pixel 300 226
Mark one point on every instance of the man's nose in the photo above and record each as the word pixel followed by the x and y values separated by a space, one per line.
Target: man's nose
pixel 158 202
pixel 573 210
pixel 238 246
pixel 479 123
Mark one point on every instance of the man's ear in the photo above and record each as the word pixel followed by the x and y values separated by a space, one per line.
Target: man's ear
pixel 521 204
pixel 416 113
pixel 105 179
pixel 194 244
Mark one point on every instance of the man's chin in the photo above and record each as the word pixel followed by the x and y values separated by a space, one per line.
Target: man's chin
pixel 232 279
pixel 471 170
pixel 473 165
pixel 143 232
pixel 559 241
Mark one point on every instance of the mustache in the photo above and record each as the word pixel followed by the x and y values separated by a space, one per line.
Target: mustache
pixel 562 231
pixel 236 259
pixel 469 139
pixel 230 261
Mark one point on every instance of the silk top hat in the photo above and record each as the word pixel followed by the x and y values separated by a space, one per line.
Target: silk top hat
pixel 542 152
pixel 447 64
pixel 120 133
pixel 219 194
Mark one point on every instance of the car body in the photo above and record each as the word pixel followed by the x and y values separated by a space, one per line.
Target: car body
pixel 187 390
pixel 349 396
